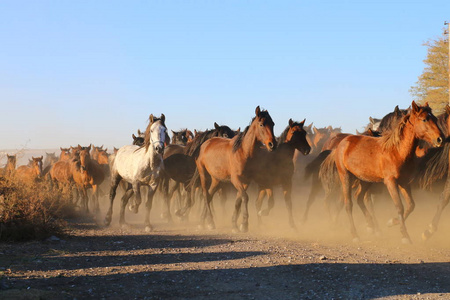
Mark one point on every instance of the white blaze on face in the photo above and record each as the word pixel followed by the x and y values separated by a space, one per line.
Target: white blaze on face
pixel 157 135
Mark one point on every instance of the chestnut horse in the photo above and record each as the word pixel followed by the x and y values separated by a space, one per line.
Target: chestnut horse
pixel 224 159
pixel 92 175
pixel 10 167
pixel 387 159
pixel 277 168
pixel 139 166
pixel 30 174
pixel 65 154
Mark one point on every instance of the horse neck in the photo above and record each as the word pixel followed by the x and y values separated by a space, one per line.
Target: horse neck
pixel 286 149
pixel 407 143
pixel 249 141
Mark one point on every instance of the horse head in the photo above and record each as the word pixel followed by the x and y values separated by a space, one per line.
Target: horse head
pixel 425 124
pixel 297 136
pixel 264 129
pixel 223 131
pixel 85 157
pixel 155 135
pixel 36 164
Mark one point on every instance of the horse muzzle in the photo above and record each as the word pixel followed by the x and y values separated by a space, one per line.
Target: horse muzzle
pixel 439 142
pixel 159 148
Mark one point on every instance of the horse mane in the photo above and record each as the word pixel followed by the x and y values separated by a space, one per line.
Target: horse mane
pixel 147 132
pixel 392 136
pixel 238 141
pixel 193 148
pixel 442 123
pixel 433 166
pixel 283 135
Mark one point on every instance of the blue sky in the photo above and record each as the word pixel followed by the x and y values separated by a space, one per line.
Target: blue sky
pixel 81 72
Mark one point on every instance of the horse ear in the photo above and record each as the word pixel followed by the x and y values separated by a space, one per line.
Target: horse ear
pixel 315 130
pixel 257 110
pixel 151 118
pixel 371 120
pixel 173 132
pixel 42 157
pixel 216 126
pixel 239 130
pixel 290 122
pixel 139 132
pixel 88 148
pixel 414 106
pixel 426 104
pixel 133 136
pixel 163 118
pixel 396 110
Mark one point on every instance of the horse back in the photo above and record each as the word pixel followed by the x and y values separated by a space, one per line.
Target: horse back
pixel 217 157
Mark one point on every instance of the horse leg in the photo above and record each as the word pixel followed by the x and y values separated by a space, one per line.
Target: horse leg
pixel 137 198
pixel 148 205
pixel 241 202
pixel 123 203
pixel 223 199
pixel 360 195
pixel 443 202
pixel 392 187
pixel 368 200
pixel 112 194
pixel 208 212
pixel 258 204
pixel 270 202
pixel 347 193
pixel 287 191
pixel 315 189
pixel 405 189
pixel 95 198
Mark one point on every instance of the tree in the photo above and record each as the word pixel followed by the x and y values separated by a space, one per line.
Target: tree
pixel 432 86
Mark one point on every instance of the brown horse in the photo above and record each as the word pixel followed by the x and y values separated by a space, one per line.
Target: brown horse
pixel 10 167
pixel 277 168
pixel 30 174
pixel 65 154
pixel 224 159
pixel 434 168
pixel 92 175
pixel 387 159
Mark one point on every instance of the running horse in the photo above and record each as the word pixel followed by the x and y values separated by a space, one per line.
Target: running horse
pixel 30 174
pixel 139 165
pixel 224 160
pixel 277 168
pixel 388 159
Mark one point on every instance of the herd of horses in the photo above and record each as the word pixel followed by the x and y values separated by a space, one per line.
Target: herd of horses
pixel 404 147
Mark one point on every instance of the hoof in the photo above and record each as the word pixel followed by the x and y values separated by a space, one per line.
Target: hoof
pixel 200 226
pixel 426 235
pixel 134 209
pixel 125 226
pixel 377 233
pixel 164 215
pixel 370 230
pixel 211 226
pixel 356 240
pixel 235 230
pixel 148 228
pixel 107 221
pixel 392 222
pixel 406 241
pixel 178 213
pixel 243 228
pixel 263 213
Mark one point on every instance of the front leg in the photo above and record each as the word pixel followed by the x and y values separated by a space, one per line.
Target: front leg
pixel 134 207
pixel 148 205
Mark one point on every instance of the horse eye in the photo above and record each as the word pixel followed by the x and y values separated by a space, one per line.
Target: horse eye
pixel 225 135
pixel 261 124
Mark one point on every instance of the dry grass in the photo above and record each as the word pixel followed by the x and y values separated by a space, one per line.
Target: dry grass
pixel 31 211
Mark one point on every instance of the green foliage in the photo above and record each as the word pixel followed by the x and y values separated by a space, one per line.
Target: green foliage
pixel 432 86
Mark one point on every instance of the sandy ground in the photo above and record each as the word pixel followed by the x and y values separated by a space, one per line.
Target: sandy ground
pixel 180 261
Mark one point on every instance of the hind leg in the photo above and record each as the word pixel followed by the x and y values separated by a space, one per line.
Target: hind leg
pixel 287 191
pixel 443 202
pixel 123 204
pixel 112 194
pixel 258 204
pixel 360 195
pixel 392 186
pixel 315 189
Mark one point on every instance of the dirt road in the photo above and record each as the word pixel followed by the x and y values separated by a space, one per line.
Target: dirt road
pixel 273 262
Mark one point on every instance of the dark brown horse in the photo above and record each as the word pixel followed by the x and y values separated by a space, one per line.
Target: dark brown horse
pixel 277 168
pixel 387 159
pixel 182 137
pixel 434 168
pixel 224 160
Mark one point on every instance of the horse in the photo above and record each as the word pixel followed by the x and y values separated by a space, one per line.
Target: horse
pixel 10 167
pixel 434 167
pixel 387 159
pixel 224 160
pixel 92 175
pixel 65 154
pixel 181 167
pixel 50 159
pixel 182 137
pixel 95 151
pixel 139 166
pixel 277 168
pixel 30 174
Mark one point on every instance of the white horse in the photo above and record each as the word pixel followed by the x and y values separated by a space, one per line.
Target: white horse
pixel 139 165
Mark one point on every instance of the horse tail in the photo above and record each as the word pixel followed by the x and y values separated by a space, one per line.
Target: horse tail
pixel 314 166
pixel 328 173
pixel 433 166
